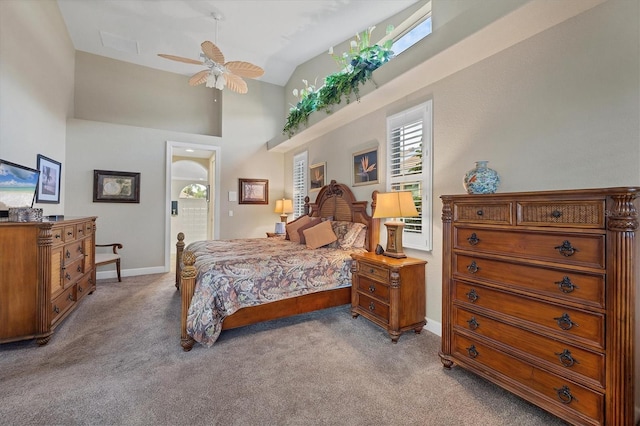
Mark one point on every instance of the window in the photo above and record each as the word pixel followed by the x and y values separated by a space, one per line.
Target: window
pixel 194 190
pixel 299 183
pixel 411 30
pixel 409 168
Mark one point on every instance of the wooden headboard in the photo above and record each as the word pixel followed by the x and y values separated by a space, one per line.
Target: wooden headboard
pixel 336 200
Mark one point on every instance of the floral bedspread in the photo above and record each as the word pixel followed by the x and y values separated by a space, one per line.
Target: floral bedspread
pixel 232 274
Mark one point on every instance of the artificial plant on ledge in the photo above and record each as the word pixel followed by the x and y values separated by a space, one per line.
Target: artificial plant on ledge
pixel 356 68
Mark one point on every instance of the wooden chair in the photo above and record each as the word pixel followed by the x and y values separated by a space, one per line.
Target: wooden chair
pixel 106 258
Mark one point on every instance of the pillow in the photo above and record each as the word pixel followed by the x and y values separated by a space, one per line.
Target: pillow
pixel 352 234
pixel 319 235
pixel 292 228
pixel 341 228
pixel 361 239
pixel 313 222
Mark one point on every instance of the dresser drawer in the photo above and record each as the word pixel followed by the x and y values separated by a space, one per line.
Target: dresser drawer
pixel 88 228
pixel 373 271
pixel 84 286
pixel 72 272
pixel 563 322
pixel 483 213
pixel 61 304
pixel 572 249
pixel 373 288
pixel 583 214
pixel 563 284
pixel 69 233
pixel 550 387
pixel 57 235
pixel 374 307
pixel 73 251
pixel 566 358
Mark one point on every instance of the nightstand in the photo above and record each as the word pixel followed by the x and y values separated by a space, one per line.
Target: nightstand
pixel 389 292
pixel 273 235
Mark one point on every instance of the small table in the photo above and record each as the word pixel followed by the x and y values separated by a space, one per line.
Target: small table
pixel 273 234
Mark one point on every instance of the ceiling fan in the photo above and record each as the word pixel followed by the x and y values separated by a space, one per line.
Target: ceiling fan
pixel 219 73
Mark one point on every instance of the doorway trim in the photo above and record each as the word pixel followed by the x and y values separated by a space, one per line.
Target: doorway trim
pixel 172 239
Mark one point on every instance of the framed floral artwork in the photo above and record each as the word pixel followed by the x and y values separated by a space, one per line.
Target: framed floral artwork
pixel 365 167
pixel 253 191
pixel 317 176
pixel 116 187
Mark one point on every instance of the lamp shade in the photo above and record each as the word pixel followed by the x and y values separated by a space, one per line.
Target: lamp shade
pixel 284 206
pixel 395 204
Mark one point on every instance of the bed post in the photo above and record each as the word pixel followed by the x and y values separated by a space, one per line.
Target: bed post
pixel 187 287
pixel 179 249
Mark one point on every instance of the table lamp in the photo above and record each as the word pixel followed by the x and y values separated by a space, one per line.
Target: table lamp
pixel 284 207
pixel 394 205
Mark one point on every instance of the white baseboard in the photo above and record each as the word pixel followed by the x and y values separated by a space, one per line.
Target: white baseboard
pixel 434 326
pixel 103 275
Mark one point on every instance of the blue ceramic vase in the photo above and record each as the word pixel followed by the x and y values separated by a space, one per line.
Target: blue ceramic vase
pixel 481 179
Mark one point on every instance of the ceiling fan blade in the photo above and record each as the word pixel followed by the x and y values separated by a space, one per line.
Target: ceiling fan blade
pixel 181 59
pixel 212 52
pixel 244 69
pixel 199 78
pixel 236 83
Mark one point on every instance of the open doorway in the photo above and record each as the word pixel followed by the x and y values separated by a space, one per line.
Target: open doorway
pixel 192 195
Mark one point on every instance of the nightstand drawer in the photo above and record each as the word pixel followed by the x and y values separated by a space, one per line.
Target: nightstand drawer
pixel 374 307
pixel 562 321
pixel 583 214
pixel 373 288
pixel 374 272
pixel 483 213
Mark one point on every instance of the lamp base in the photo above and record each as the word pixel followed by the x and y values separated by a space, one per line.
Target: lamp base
pixel 283 218
pixel 394 240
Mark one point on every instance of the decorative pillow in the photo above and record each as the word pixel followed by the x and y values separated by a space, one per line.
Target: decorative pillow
pixel 319 235
pixel 349 240
pixel 314 221
pixel 341 228
pixel 292 228
pixel 361 239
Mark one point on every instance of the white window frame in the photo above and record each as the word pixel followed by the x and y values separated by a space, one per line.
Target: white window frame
pixel 300 182
pixel 421 240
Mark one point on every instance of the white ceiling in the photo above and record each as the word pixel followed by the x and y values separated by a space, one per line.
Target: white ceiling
pixel 276 35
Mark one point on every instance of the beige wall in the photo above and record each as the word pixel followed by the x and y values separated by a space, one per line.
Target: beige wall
pixel 36 85
pixel 559 110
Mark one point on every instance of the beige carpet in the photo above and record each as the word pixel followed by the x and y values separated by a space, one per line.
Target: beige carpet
pixel 117 361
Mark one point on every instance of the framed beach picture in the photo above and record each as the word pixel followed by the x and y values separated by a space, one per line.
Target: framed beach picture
pixel 317 176
pixel 49 183
pixel 254 191
pixel 116 187
pixel 365 167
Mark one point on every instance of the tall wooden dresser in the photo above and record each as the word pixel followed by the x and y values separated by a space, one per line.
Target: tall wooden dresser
pixel 46 268
pixel 539 296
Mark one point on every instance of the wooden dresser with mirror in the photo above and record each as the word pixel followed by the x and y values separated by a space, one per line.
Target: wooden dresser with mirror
pixel 46 268
pixel 539 294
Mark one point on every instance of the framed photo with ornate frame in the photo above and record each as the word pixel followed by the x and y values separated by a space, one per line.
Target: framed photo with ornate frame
pixel 48 190
pixel 317 176
pixel 253 191
pixel 116 187
pixel 365 167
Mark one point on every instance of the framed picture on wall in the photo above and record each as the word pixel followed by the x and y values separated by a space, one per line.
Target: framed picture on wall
pixel 49 183
pixel 254 191
pixel 365 167
pixel 317 176
pixel 116 187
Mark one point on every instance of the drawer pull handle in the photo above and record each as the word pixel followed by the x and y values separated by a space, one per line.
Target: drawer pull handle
pixel 372 288
pixel 472 295
pixel 67 276
pixel 473 267
pixel 372 271
pixel 479 212
pixel 56 309
pixel 566 359
pixel 556 214
pixel 473 324
pixel 68 254
pixel 472 351
pixel 70 296
pixel 79 249
pixel 69 233
pixel 564 395
pixel 80 289
pixel 564 322
pixel 79 268
pixel 566 285
pixel 372 307
pixel 473 239
pixel 566 249
pixel 58 236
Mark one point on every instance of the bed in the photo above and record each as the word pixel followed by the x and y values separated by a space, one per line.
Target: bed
pixel 217 279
